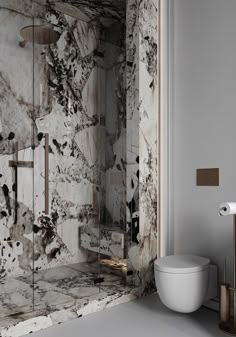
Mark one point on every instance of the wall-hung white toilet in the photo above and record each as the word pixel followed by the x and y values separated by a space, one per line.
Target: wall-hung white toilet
pixel 182 281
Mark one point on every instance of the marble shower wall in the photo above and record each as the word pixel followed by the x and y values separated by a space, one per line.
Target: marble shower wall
pixel 80 98
pixel 112 203
pixel 79 92
pixel 16 124
pixel 142 38
pixel 113 158
pixel 105 11
pixel 87 86
pixel 73 124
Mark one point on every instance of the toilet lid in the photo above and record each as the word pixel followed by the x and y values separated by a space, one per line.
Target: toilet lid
pixel 181 264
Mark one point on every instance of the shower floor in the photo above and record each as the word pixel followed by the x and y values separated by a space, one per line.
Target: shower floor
pixel 70 288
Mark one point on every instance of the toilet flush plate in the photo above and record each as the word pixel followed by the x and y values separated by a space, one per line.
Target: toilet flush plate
pixel 208 177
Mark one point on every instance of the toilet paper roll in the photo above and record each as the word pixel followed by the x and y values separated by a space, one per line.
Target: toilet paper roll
pixel 227 208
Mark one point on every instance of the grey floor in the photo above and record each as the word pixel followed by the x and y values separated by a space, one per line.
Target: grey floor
pixel 145 317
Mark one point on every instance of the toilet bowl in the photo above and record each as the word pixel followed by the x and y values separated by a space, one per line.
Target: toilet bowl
pixel 182 281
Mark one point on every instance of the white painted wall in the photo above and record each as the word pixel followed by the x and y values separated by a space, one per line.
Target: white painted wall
pixel 203 125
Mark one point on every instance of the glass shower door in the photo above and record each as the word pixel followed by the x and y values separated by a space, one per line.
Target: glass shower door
pixel 16 162
pixel 113 238
pixel 67 162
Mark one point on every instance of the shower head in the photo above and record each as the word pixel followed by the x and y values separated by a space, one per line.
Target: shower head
pixel 40 34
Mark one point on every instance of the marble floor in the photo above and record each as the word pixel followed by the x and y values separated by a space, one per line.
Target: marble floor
pixel 55 289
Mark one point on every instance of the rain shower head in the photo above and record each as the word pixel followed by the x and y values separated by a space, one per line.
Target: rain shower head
pixel 40 34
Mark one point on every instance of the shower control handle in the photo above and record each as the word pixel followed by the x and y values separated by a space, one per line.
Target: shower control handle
pixel 46 173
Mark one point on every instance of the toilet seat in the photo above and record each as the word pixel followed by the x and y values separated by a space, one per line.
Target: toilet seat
pixel 181 264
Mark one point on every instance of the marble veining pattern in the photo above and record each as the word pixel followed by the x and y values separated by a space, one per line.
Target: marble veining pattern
pixel 68 76
pixel 77 81
pixel 106 241
pixel 105 11
pixel 142 138
pixel 62 293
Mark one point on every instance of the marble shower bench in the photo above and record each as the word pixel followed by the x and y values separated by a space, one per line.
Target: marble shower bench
pixel 107 241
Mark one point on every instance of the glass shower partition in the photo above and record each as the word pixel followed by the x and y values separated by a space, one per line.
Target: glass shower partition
pixel 67 178
pixel 63 158
pixel 113 239
pixel 16 162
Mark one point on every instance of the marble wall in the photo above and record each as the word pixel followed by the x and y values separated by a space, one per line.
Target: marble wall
pixel 73 125
pixel 98 100
pixel 79 100
pixel 16 124
pixel 105 11
pixel 113 158
pixel 142 38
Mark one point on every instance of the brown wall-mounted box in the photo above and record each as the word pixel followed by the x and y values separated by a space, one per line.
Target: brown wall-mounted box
pixel 208 177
